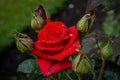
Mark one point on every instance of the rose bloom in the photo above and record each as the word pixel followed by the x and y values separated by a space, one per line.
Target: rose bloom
pixel 55 44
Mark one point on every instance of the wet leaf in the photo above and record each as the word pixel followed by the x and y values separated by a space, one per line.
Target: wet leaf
pixel 88 44
pixel 29 66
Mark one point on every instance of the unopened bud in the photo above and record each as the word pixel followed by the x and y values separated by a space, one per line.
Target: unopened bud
pixel 41 12
pixel 81 64
pixel 91 21
pixel 106 51
pixel 37 23
pixel 24 42
pixel 39 19
pixel 85 23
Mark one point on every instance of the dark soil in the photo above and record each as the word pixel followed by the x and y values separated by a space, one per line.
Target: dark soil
pixel 72 12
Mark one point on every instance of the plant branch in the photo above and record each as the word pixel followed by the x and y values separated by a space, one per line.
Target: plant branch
pixel 101 70
pixel 79 77
pixel 94 76
pixel 68 76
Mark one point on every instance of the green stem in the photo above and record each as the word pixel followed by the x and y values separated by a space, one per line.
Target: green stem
pixel 33 55
pixel 60 75
pixel 91 69
pixel 79 76
pixel 101 70
pixel 50 78
pixel 68 76
pixel 94 76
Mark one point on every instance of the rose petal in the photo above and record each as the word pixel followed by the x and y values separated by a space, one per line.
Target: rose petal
pixel 49 50
pixel 56 24
pixel 74 36
pixel 60 26
pixel 42 36
pixel 57 42
pixel 74 49
pixel 51 67
pixel 51 28
pixel 60 56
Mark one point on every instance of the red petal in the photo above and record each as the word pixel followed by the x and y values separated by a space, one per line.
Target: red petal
pixel 49 50
pixel 74 36
pixel 58 42
pixel 42 35
pixel 56 24
pixel 50 67
pixel 60 56
pixel 51 27
pixel 73 49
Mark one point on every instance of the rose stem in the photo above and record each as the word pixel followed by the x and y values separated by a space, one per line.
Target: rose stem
pixel 101 70
pixel 79 76
pixel 92 71
pixel 94 76
pixel 33 55
pixel 68 76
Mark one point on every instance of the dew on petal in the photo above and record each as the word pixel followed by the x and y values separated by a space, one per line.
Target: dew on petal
pixel 77 50
pixel 43 40
pixel 71 35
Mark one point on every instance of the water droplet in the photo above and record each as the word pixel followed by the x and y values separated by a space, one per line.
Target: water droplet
pixel 77 50
pixel 71 5
pixel 71 35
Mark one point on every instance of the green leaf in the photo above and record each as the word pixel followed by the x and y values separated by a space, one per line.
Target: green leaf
pixel 29 66
pixel 88 44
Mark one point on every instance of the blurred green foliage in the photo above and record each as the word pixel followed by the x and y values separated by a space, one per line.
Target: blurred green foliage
pixel 111 25
pixel 16 15
pixel 107 3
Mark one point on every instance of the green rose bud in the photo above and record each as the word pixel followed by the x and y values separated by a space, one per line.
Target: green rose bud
pixel 81 64
pixel 91 21
pixel 24 42
pixel 85 23
pixel 106 51
pixel 37 22
pixel 39 18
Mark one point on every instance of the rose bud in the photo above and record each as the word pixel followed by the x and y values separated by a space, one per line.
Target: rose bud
pixel 85 23
pixel 39 19
pixel 106 51
pixel 24 42
pixel 81 64
pixel 37 23
pixel 91 21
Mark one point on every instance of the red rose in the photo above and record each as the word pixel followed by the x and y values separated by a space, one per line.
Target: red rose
pixel 56 43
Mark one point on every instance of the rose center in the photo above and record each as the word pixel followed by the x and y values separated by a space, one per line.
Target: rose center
pixel 54 35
